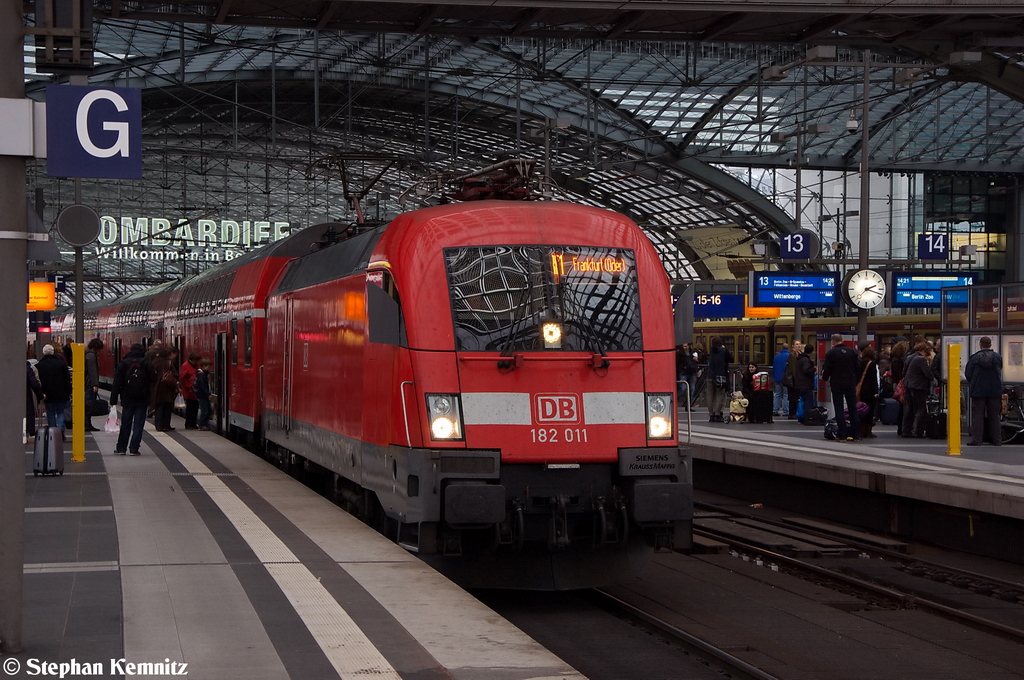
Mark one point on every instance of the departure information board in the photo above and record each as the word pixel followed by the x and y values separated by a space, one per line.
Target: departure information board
pixel 793 289
pixel 923 289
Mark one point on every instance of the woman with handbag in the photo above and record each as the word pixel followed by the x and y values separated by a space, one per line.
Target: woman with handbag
pixel 718 379
pixel 867 391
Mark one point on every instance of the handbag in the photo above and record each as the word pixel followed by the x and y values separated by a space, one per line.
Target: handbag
pixel 898 393
pixel 97 407
pixel 787 380
pixel 861 381
pixel 168 379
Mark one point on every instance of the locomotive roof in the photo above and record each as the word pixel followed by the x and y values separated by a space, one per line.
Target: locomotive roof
pixel 335 261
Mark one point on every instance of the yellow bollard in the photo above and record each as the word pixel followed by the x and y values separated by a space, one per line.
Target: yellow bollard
pixel 77 402
pixel 953 392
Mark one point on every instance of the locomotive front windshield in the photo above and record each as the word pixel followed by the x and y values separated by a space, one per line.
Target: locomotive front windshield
pixel 531 298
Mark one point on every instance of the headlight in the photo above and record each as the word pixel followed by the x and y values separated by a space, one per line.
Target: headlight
pixel 552 334
pixel 659 416
pixel 445 417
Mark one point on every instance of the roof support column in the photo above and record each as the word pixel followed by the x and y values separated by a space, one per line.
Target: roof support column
pixel 13 254
pixel 865 192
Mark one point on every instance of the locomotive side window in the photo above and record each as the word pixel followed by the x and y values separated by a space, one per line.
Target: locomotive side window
pixel 248 340
pixel 531 298
pixel 384 310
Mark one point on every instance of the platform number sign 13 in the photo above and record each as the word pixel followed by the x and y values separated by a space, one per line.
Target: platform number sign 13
pixel 800 245
pixel 933 246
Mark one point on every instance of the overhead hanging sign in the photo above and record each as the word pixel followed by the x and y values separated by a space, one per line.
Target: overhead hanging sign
pixel 93 132
pixel 42 296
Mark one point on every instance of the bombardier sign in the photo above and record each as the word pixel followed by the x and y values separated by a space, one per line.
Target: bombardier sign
pixel 93 132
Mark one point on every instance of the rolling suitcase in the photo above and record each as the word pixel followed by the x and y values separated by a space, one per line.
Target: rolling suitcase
pixel 935 426
pixel 48 457
pixel 890 412
pixel 759 408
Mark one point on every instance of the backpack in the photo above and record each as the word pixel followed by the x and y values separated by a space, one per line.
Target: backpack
pixel 136 383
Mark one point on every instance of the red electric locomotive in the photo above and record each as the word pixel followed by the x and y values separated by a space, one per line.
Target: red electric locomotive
pixel 491 384
pixel 493 380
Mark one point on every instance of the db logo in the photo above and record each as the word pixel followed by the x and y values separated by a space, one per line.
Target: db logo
pixel 560 408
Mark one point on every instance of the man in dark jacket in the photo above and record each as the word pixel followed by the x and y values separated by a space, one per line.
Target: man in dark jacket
pixel 55 378
pixel 92 379
pixel 842 370
pixel 132 385
pixel 984 372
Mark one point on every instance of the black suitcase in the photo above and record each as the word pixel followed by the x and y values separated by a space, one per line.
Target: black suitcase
pixel 759 407
pixel 48 456
pixel 935 426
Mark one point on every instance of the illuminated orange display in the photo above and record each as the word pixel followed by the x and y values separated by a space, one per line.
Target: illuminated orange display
pixel 560 265
pixel 41 296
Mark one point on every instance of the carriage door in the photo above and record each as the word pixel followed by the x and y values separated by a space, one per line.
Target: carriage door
pixel 287 364
pixel 220 384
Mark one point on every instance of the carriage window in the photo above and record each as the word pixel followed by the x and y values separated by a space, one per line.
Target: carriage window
pixel 523 298
pixel 730 344
pixel 234 342
pixel 760 350
pixel 248 340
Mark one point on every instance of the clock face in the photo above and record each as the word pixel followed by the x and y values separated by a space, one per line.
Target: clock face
pixel 865 289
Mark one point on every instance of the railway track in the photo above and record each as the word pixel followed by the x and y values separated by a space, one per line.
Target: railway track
pixel 877 569
pixel 715 657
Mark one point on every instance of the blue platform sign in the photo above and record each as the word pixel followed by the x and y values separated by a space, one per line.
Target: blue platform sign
pixel 93 132
pixel 800 245
pixel 794 289
pixel 924 289
pixel 933 246
pixel 718 306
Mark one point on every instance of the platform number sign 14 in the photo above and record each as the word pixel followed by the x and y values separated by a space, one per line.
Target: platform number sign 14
pixel 800 245
pixel 933 246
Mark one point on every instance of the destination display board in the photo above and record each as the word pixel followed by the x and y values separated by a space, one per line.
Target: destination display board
pixel 793 289
pixel 923 289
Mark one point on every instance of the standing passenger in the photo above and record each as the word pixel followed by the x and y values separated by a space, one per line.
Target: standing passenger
pixel 133 383
pixel 867 389
pixel 186 379
pixel 984 372
pixel 778 372
pixel 803 380
pixel 165 390
pixel 917 382
pixel 202 390
pixel 33 388
pixel 55 379
pixel 794 394
pixel 718 379
pixel 898 357
pixel 841 369
pixel 92 379
pixel 686 366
